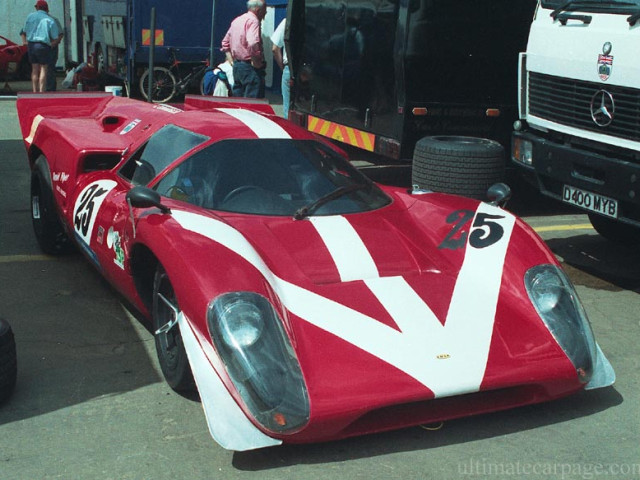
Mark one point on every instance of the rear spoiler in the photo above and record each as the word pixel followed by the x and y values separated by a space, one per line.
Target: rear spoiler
pixel 58 105
pixel 198 102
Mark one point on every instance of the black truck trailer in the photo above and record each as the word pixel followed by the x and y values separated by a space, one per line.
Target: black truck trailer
pixel 429 81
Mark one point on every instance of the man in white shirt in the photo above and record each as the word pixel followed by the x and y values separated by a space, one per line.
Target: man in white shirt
pixel 280 56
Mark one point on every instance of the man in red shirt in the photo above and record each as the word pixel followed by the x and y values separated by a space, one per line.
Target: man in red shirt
pixel 242 46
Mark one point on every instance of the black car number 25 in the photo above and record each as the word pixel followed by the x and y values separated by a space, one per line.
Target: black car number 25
pixel 485 231
pixel 84 211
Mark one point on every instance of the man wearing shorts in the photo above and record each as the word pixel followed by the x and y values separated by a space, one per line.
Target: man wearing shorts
pixel 40 34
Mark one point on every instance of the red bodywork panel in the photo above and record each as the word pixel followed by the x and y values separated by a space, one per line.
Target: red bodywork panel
pixel 363 366
pixel 11 58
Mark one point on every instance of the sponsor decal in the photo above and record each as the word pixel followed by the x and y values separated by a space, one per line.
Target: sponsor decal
pixel 130 126
pixel 167 108
pixel 114 242
pixel 605 62
pixel 61 177
pixel 61 191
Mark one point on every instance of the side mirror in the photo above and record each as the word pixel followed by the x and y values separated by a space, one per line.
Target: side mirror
pixel 143 197
pixel 499 194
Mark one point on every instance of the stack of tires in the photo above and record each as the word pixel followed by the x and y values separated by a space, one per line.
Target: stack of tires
pixel 465 166
pixel 8 362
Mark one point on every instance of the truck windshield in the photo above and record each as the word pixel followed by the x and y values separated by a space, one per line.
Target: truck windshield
pixel 465 51
pixel 609 6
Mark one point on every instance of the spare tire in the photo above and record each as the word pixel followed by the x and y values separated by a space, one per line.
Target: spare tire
pixel 8 361
pixel 465 166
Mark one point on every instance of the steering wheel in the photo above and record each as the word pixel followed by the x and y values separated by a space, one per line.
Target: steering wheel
pixel 177 193
pixel 239 191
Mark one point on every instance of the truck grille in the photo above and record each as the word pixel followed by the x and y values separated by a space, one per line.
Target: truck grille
pixel 568 102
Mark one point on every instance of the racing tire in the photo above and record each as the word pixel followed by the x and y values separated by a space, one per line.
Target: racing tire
pixel 8 361
pixel 164 85
pixel 465 166
pixel 169 346
pixel 614 230
pixel 47 226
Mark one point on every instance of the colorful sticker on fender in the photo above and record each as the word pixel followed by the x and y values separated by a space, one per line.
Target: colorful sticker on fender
pixel 87 206
pixel 114 242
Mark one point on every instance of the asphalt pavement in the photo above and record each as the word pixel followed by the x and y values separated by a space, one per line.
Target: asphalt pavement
pixel 90 402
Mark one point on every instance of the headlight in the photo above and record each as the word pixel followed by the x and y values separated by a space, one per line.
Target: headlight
pixel 522 151
pixel 557 303
pixel 259 359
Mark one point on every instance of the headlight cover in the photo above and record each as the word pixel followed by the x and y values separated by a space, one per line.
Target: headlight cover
pixel 557 303
pixel 259 359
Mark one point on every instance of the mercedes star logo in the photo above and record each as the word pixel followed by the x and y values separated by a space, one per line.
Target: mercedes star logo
pixel 602 108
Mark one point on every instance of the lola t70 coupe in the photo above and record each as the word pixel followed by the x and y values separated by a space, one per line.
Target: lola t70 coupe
pixel 304 301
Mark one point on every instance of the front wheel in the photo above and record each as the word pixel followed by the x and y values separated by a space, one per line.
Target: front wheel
pixel 169 346
pixel 163 87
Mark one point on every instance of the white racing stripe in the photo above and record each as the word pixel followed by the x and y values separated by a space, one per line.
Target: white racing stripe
pixel 261 125
pixel 228 424
pixel 349 253
pixel 449 359
pixel 34 128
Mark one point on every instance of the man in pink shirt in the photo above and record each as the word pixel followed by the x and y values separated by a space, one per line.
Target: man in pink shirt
pixel 242 46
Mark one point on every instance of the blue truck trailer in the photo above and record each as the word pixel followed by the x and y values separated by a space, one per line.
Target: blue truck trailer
pixel 116 34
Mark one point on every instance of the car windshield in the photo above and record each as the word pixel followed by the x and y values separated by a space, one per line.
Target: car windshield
pixel 163 148
pixel 271 177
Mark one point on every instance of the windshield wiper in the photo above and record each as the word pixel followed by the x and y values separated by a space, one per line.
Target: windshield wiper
pixel 574 4
pixel 307 210
pixel 633 19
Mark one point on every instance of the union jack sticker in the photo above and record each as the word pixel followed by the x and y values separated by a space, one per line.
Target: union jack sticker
pixel 605 66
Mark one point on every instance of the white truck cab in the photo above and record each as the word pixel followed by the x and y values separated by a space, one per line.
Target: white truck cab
pixel 578 136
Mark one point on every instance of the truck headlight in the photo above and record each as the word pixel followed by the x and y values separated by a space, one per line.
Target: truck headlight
pixel 259 359
pixel 557 303
pixel 522 151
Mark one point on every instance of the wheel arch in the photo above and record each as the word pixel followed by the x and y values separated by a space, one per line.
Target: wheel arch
pixel 34 154
pixel 143 267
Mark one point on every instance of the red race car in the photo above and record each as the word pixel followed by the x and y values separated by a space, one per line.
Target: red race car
pixel 306 302
pixel 14 61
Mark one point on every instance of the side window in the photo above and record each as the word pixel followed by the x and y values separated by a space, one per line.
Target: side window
pixel 163 148
pixel 194 179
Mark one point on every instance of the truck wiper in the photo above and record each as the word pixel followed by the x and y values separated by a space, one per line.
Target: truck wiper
pixel 305 211
pixel 632 20
pixel 573 4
